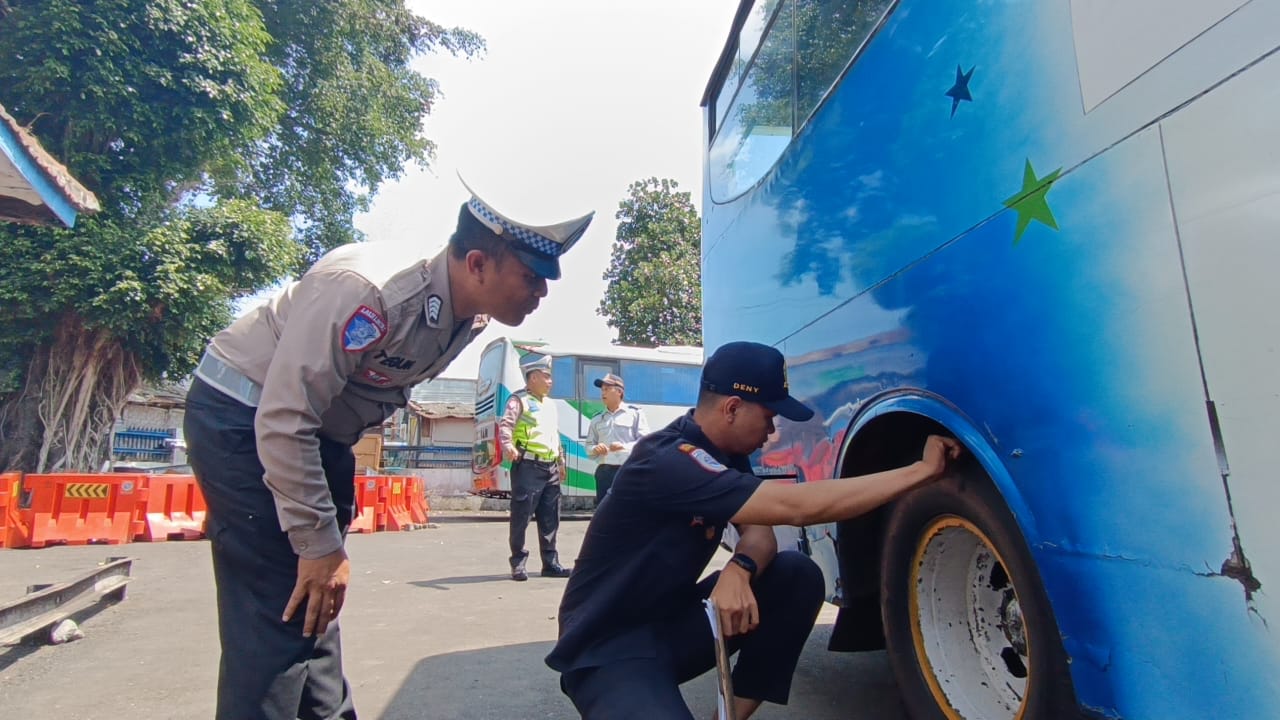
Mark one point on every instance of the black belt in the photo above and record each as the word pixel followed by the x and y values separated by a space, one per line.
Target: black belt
pixel 539 463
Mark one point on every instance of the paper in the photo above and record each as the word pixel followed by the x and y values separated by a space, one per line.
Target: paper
pixel 724 687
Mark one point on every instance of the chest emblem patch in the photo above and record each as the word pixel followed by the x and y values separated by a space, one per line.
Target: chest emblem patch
pixel 702 458
pixel 364 328
pixel 434 303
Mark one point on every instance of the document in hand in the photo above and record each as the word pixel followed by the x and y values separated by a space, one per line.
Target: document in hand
pixel 724 685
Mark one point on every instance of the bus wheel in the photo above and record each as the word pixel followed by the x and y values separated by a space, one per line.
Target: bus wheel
pixel 967 624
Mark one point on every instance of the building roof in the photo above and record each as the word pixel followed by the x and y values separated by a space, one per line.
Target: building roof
pixel 444 397
pixel 35 188
pixel 438 410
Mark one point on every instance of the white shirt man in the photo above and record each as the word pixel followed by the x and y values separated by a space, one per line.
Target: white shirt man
pixel 613 432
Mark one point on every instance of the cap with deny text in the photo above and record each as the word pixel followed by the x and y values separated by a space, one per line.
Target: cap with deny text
pixel 753 372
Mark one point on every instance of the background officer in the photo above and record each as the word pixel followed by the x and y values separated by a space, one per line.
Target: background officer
pixel 632 626
pixel 530 432
pixel 613 432
pixel 278 400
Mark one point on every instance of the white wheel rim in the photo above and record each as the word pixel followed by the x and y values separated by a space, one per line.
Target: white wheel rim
pixel 967 624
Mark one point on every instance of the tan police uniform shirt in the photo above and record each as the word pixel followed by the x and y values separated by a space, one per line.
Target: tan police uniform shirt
pixel 336 353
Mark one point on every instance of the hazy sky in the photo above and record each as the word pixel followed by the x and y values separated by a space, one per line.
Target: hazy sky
pixel 573 101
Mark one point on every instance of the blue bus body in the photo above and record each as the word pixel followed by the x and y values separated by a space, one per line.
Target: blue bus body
pixel 1051 228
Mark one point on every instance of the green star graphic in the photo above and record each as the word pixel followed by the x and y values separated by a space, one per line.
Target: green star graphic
pixel 1030 202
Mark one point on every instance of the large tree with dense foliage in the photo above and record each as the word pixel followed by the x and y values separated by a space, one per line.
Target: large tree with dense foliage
pixel 654 295
pixel 230 143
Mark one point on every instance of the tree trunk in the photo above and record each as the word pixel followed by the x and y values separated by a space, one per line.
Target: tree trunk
pixel 75 388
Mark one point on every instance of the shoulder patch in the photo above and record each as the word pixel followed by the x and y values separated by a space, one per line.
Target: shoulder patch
pixel 434 304
pixel 702 458
pixel 364 328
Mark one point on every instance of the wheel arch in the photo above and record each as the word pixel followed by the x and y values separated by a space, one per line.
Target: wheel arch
pixel 888 432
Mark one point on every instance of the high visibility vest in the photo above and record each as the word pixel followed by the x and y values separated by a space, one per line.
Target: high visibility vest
pixel 537 432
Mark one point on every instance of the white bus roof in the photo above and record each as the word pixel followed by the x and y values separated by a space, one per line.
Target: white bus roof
pixel 683 354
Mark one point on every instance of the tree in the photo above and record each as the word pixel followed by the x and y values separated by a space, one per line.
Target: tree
pixel 225 156
pixel 654 296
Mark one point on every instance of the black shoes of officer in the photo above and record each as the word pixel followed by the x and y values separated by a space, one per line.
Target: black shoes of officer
pixel 556 571
pixel 519 575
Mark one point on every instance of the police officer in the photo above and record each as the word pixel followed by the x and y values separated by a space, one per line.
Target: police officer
pixel 613 432
pixel 632 627
pixel 278 400
pixel 530 432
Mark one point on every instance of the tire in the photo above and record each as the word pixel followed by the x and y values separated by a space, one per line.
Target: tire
pixel 986 646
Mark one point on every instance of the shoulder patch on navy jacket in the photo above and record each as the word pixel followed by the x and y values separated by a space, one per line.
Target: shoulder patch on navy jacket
pixel 702 458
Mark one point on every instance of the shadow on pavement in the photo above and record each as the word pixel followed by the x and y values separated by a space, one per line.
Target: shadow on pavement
pixel 498 683
pixel 512 681
pixel 444 583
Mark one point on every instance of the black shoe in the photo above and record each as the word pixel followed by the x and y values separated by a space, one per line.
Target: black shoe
pixel 519 575
pixel 556 571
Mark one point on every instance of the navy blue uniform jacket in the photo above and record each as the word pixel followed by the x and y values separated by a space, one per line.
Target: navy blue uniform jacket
pixel 647 545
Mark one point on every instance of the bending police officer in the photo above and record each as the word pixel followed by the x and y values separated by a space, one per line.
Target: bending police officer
pixel 613 432
pixel 278 400
pixel 530 432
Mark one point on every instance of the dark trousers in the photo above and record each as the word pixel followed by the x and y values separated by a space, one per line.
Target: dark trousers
pixel 604 480
pixel 534 494
pixel 789 593
pixel 268 669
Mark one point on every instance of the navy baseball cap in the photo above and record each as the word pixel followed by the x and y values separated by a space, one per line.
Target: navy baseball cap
pixel 756 373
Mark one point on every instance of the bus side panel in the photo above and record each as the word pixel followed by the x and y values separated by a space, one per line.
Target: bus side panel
pixel 1060 327
pixel 499 377
pixel 1224 175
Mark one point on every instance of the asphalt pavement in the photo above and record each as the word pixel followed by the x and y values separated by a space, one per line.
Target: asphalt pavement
pixel 433 628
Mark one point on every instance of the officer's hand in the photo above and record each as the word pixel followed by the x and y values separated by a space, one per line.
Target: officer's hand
pixel 599 449
pixel 938 450
pixel 732 594
pixel 322 583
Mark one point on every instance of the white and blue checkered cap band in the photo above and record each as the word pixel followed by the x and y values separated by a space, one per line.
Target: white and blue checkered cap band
pixel 542 244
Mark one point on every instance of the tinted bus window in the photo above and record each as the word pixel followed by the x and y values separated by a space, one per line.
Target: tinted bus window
pixel 649 382
pixel 758 125
pixel 562 377
pixel 828 34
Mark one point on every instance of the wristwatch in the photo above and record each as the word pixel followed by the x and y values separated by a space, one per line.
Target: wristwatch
pixel 745 562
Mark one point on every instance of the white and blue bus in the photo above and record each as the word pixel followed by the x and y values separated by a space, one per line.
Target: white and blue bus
pixel 663 382
pixel 1050 228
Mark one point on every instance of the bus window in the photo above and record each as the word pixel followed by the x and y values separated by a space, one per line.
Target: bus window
pixel 592 370
pixel 588 372
pixel 748 43
pixel 562 377
pixel 656 383
pixel 827 37
pixel 758 124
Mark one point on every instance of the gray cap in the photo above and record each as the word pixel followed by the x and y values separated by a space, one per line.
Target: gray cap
pixel 535 362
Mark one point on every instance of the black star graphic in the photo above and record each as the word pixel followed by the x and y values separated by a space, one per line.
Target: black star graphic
pixel 960 91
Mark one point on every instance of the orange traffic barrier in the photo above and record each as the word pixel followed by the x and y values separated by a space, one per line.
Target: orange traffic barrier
pixel 370 510
pixel 10 494
pixel 76 509
pixel 398 515
pixel 174 510
pixel 419 508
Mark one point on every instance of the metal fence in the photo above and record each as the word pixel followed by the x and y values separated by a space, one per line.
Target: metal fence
pixel 155 444
pixel 426 456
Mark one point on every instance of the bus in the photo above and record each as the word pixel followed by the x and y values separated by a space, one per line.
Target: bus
pixel 662 381
pixel 1051 230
